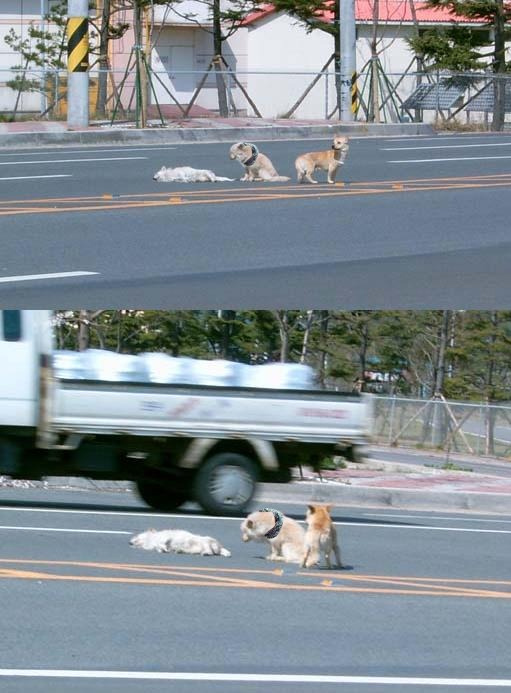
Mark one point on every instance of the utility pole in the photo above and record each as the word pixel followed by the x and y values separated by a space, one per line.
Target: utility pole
pixel 78 64
pixel 43 72
pixel 348 57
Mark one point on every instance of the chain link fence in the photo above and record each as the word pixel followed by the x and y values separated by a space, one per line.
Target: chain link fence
pixel 437 423
pixel 463 99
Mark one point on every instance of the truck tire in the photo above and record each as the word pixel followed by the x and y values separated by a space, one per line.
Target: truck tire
pixel 355 453
pixel 160 496
pixel 225 484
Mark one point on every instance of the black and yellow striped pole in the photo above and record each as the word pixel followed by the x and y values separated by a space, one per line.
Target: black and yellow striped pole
pixel 354 95
pixel 77 64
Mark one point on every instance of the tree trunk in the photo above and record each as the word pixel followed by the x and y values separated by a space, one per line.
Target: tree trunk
pixel 499 68
pixel 83 330
pixel 217 47
pixel 323 354
pixel 439 414
pixel 419 58
pixel 226 316
pixel 104 42
pixel 283 321
pixel 306 335
pixel 490 393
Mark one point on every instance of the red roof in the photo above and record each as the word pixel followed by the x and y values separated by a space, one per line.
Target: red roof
pixel 388 11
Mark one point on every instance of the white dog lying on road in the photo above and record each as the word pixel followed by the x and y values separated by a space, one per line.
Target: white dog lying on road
pixel 187 174
pixel 178 541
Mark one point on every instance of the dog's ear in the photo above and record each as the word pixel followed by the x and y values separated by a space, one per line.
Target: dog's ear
pixel 328 507
pixel 250 524
pixel 312 509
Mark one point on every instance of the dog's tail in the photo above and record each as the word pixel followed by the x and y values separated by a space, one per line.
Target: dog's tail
pixel 280 179
pixel 224 552
pixel 222 179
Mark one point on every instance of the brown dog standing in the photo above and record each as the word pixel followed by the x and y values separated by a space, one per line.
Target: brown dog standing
pixel 329 161
pixel 320 537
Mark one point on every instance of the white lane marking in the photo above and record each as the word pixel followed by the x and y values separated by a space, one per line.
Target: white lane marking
pixel 56 175
pixel 90 150
pixel 36 277
pixel 460 158
pixel 115 513
pixel 442 138
pixel 71 161
pixel 237 519
pixel 446 146
pixel 66 529
pixel 435 517
pixel 259 678
pixel 430 527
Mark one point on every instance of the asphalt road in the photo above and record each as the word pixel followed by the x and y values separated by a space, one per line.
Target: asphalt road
pixel 420 606
pixel 416 222
pixel 424 458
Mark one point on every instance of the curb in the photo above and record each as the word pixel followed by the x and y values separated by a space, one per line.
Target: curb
pixel 340 495
pixel 416 499
pixel 210 134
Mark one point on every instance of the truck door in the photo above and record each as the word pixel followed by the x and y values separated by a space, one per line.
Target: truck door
pixel 18 370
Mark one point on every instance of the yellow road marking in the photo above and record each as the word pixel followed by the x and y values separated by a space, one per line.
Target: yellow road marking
pixel 230 195
pixel 219 577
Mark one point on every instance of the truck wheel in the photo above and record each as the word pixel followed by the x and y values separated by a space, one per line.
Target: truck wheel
pixel 225 484
pixel 159 496
pixel 355 453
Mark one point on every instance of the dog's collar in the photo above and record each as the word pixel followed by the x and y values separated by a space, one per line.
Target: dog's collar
pixel 255 154
pixel 272 533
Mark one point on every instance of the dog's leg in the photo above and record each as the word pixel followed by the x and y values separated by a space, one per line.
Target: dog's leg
pixel 327 559
pixel 309 178
pixel 332 170
pixel 337 552
pixel 310 558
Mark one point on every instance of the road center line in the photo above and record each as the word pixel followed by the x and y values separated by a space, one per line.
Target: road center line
pixel 36 277
pixel 258 678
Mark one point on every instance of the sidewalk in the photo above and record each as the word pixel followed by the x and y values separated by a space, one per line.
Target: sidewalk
pixel 375 483
pixel 387 484
pixel 198 129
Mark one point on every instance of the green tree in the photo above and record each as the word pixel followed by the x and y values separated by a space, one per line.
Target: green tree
pixel 459 48
pixel 41 51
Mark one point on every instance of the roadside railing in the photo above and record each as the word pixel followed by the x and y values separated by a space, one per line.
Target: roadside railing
pixel 458 99
pixel 437 423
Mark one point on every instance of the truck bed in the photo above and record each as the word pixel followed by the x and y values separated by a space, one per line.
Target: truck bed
pixel 208 411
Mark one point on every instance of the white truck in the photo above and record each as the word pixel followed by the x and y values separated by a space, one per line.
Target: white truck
pixel 177 442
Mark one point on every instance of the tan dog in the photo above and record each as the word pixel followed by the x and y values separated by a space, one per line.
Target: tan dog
pixel 329 161
pixel 284 534
pixel 258 167
pixel 320 537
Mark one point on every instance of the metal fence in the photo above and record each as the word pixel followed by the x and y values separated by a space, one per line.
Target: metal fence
pixel 466 98
pixel 465 427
